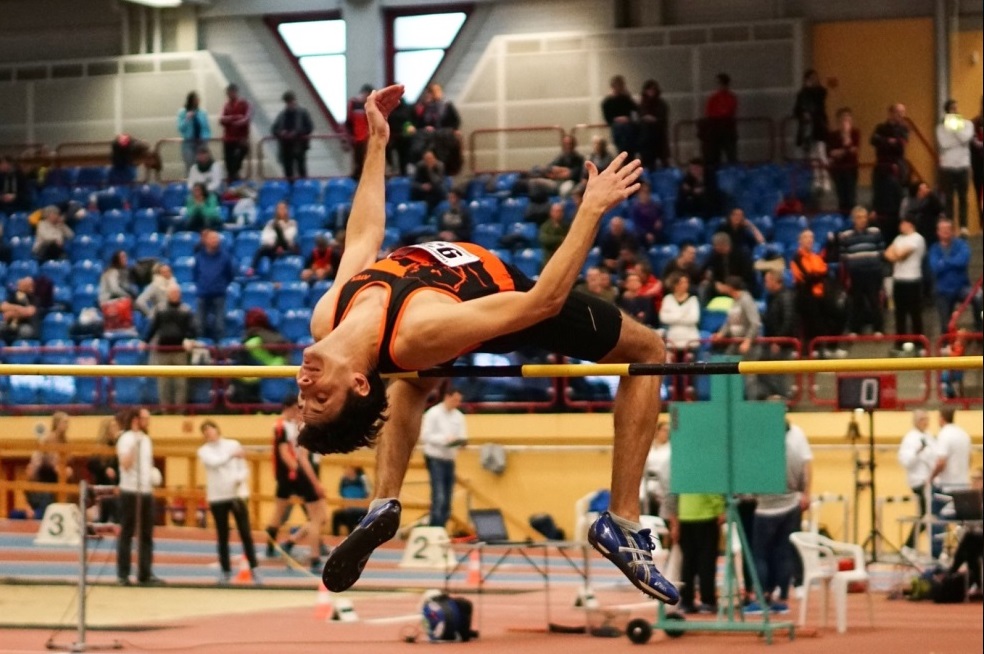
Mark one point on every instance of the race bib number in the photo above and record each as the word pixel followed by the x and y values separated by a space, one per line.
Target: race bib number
pixel 449 254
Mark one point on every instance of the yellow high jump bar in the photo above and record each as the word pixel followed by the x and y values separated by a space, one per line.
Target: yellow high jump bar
pixel 901 364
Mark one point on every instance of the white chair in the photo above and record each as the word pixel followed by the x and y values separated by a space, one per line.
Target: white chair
pixel 820 556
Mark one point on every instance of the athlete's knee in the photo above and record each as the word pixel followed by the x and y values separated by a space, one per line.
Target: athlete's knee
pixel 638 343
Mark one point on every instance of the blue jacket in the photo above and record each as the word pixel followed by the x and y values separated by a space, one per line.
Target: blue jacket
pixel 950 267
pixel 213 273
pixel 186 127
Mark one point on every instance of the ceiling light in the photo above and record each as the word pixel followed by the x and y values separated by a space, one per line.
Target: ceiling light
pixel 158 4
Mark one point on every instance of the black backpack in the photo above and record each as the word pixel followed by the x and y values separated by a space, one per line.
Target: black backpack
pixel 447 618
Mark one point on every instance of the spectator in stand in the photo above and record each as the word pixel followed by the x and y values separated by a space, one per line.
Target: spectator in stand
pixel 52 235
pixel 236 114
pixel 402 131
pixel 429 180
pixel 135 451
pixel 652 286
pixel 810 111
pixel 976 160
pixel 323 261
pixel 171 333
pixel 743 321
pixel 654 127
pixel 780 321
pixel 262 346
pixel 925 208
pixel 646 214
pixel 115 282
pixel 680 313
pixel 193 128
pixel 634 303
pixel 567 167
pixel 685 263
pixel 154 296
pixel 439 121
pixel 15 193
pixel 21 316
pixel 293 128
pixel 226 492
pixel 357 126
pixel 600 154
pixel 619 111
pixel 598 282
pixel 104 469
pixel 906 254
pixel 455 222
pixel 437 112
pixel 861 251
pixel 726 261
pixel 949 259
pixel 352 486
pixel 206 170
pixel 743 232
pixel 891 171
pixel 718 130
pixel 124 154
pixel 842 153
pixel 953 136
pixel 278 238
pixel 617 244
pixel 694 197
pixel 214 271
pixel 553 231
pixel 810 274
pixel 202 209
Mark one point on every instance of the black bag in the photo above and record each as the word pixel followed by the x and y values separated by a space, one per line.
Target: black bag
pixel 544 524
pixel 447 618
pixel 948 588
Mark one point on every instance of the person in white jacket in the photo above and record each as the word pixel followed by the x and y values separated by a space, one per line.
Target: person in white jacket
pixel 918 454
pixel 278 238
pixel 680 313
pixel 953 135
pixel 206 170
pixel 226 492
pixel 442 434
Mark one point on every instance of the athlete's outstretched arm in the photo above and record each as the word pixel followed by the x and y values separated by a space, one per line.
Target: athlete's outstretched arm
pixel 367 222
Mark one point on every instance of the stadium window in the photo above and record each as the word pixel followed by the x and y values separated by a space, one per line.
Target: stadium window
pixel 318 46
pixel 418 43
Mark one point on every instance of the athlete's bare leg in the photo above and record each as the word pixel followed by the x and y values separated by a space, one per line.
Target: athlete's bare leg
pixel 316 520
pixel 636 413
pixel 407 401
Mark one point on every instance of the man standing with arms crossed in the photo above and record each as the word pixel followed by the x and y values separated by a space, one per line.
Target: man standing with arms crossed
pixel 135 452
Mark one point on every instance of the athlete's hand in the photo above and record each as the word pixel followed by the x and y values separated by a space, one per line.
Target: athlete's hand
pixel 616 183
pixel 379 105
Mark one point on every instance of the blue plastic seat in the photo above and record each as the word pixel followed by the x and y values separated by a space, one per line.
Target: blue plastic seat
pixel 788 228
pixel 504 183
pixel 505 256
pixel 175 196
pixel 183 244
pixel 95 176
pixel 58 272
pixel 305 191
pixel 146 221
pixel 271 192
pixel 21 247
pixel 311 217
pixel 764 225
pixel 17 225
pixel 84 296
pixel 114 197
pixel 273 391
pixel 688 229
pixel 291 296
pixel 189 294
pixel 528 232
pixel 826 225
pixel 114 221
pixel 703 254
pixel 257 294
pixel 529 261
pixel 115 242
pixel 23 352
pixel 184 269
pixel 86 248
pixel 711 321
pixel 150 246
pixel 391 238
pixel 82 194
pixel 246 244
pixel 53 195
pixel 55 326
pixel 61 297
pixel 235 322
pixel 660 256
pixel 338 190
pixel 484 210
pixel 22 268
pixel 286 269
pixel 488 235
pixel 513 210
pixel 62 176
pixel 295 324
pixel 148 196
pixel 398 189
pixel 409 216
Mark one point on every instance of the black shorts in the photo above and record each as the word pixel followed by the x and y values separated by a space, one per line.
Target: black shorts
pixel 299 487
pixel 587 327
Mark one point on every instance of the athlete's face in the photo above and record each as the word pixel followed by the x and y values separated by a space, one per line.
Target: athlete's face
pixel 322 388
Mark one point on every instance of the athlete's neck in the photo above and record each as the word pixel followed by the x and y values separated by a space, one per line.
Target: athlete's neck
pixel 356 337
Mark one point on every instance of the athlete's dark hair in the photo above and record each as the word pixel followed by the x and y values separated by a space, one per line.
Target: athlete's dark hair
pixel 356 425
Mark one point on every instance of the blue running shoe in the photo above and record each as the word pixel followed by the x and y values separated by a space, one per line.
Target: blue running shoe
pixel 632 553
pixel 346 562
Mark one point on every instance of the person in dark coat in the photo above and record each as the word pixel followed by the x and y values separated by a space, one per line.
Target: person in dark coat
pixel 293 128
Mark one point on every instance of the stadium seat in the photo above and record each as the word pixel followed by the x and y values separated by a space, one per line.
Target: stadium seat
pixel 660 256
pixel 305 191
pixel 788 228
pixel 477 187
pixel 53 195
pixel 257 294
pixel 86 271
pixel 85 296
pixel 86 248
pixel 688 229
pixel 295 324
pixel 484 210
pixel 409 217
pixel 114 221
pixel 286 269
pixel 488 235
pixel 114 197
pixel 148 196
pixel 61 297
pixel 529 261
pixel 338 190
pixel 703 254
pixel 271 192
pixel 311 217
pixel 235 322
pixel 22 351
pixel 95 176
pixel 291 296
pixel 729 179
pixel 391 238
pixel 764 225
pixel 184 269
pixel 714 223
pixel 711 321
pixel 129 391
pixel 82 195
pixel 146 221
pixel 87 224
pixel 58 272
pixel 504 183
pixel 62 176
pixel 189 294
pixel 234 293
pixel 21 268
pixel 522 234
pixel 398 190
pixel 513 210
pixel 246 244
pixel 17 225
pixel 150 246
pixel 114 243
pixel 273 391
pixel 307 240
pixel 183 244
pixel 274 316
pixel 824 226
pixel 55 326
pixel 174 197
pixel 21 247
pixel 505 256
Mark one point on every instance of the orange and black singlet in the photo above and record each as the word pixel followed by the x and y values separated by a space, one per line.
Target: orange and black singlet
pixel 586 328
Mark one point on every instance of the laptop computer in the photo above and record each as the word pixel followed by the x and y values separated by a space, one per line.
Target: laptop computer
pixel 967 504
pixel 490 527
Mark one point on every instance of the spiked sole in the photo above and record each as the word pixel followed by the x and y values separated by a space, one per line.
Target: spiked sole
pixel 345 563
pixel 629 573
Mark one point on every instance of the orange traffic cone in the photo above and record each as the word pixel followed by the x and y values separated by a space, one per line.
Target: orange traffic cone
pixel 323 608
pixel 245 574
pixel 474 569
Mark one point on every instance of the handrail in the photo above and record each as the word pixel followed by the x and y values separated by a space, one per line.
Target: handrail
pixel 99 153
pixel 955 316
pixel 934 154
pixel 472 136
pixel 679 126
pixel 342 137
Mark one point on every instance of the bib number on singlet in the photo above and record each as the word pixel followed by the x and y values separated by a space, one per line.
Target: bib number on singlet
pixel 449 254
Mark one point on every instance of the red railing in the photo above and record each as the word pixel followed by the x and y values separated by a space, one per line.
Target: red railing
pixel 340 142
pixel 503 148
pixel 951 385
pixel 955 318
pixel 918 342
